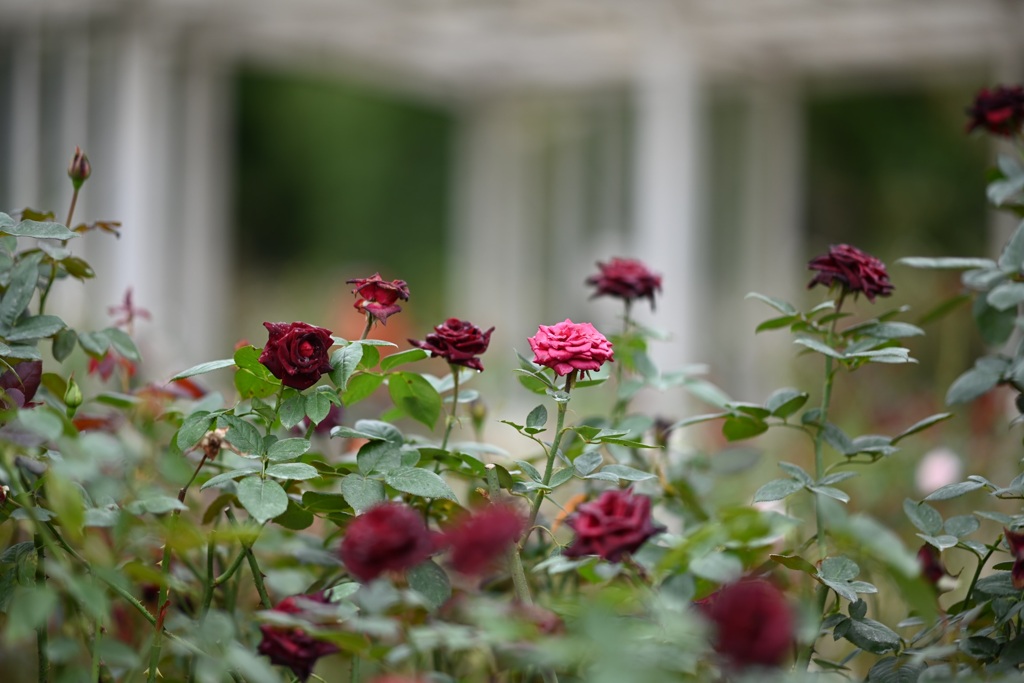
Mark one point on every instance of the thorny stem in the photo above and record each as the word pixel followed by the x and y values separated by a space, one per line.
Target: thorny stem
pixel 450 421
pixel 257 575
pixel 570 379
pixel 819 438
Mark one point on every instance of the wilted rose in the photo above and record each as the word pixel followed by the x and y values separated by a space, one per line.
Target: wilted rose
pixel 296 353
pixel 20 384
pixel 853 270
pixel 459 342
pixel 569 346
pixel 378 297
pixel 999 111
pixel 478 540
pixel 291 646
pixel 618 522
pixel 387 537
pixel 626 279
pixel 753 623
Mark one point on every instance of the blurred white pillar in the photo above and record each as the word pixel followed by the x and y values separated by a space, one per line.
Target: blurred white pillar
pixel 666 193
pixel 770 251
pixel 26 116
pixel 568 244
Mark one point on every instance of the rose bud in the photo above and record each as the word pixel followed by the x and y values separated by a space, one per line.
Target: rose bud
pixel 626 279
pixel 569 346
pixel 387 537
pixel 292 646
pixel 933 571
pixel 478 541
pixel 296 353
pixel 753 623
pixel 377 297
pixel 618 522
pixel 853 270
pixel 72 396
pixel 79 170
pixel 457 341
pixel 999 111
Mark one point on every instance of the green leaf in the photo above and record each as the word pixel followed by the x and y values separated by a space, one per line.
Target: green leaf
pixel 318 405
pixel 293 410
pixel 784 402
pixel 292 470
pixel 888 330
pixel 371 357
pixel 1005 295
pixel 942 541
pixel 36 327
pixel 818 346
pixel 781 306
pixel 343 432
pixel 737 428
pixel 41 421
pixel 362 493
pixel 156 505
pixel 777 489
pixel 999 191
pixel 401 358
pixel 946 262
pixel 893 670
pixel 123 344
pixel 838 568
pixel 795 562
pixel 921 425
pixel 287 449
pixel 962 525
pixel 24 277
pixel 975 382
pixel 193 429
pixel 830 492
pixel 344 362
pixel 586 463
pixel 537 418
pixel 244 436
pixel 872 636
pixel 94 343
pixel 264 499
pixel 378 456
pixel 419 482
pixel 530 470
pixel 41 230
pixel 627 473
pixel 796 472
pixel 380 430
pixel 359 387
pixel 430 581
pixel 1012 256
pixel 204 368
pixel 994 325
pixel 415 397
pixel 954 490
pixel 229 476
pixel 776 323
pixel 923 516
pixel 561 476
pixel 63 344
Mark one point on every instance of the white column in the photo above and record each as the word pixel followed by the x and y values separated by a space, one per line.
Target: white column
pixel 666 193
pixel 26 114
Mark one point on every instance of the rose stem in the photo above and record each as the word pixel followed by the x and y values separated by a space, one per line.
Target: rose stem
pixel 515 562
pixel 570 379
pixel 53 266
pixel 369 326
pixel 819 438
pixel 257 575
pixel 450 421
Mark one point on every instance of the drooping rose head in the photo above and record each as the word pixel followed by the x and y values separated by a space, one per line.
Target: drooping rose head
pixel 618 522
pixel 478 540
pixel 853 270
pixel 378 297
pixel 459 342
pixel 296 353
pixel 999 111
pixel 387 537
pixel 292 646
pixel 753 624
pixel 1015 542
pixel 569 346
pixel 626 279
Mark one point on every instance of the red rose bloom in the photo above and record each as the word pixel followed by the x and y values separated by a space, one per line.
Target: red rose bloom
pixel 291 646
pixel 478 541
pixel 457 341
pixel 1015 542
pixel 852 269
pixel 753 623
pixel 387 537
pixel 569 346
pixel 999 111
pixel 378 297
pixel 20 384
pixel 626 279
pixel 618 522
pixel 296 353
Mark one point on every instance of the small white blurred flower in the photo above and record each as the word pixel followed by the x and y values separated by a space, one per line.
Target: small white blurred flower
pixel 939 467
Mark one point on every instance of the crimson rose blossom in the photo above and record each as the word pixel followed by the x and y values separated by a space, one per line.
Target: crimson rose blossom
pixel 478 540
pixel 754 625
pixel 292 646
pixel 457 341
pixel 1015 541
pixel 378 297
pixel 569 346
pixel 618 522
pixel 387 537
pixel 296 353
pixel 852 269
pixel 626 279
pixel 999 111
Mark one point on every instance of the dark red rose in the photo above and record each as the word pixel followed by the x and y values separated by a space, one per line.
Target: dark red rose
pixel 292 646
pixel 296 353
pixel 627 279
pixel 377 297
pixel 753 623
pixel 853 270
pixel 21 383
pixel 478 541
pixel 387 537
pixel 999 111
pixel 1015 542
pixel 618 522
pixel 932 569
pixel 457 341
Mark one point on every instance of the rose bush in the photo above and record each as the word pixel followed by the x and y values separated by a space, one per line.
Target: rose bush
pixel 291 528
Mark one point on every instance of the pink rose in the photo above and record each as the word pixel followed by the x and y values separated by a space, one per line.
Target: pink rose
pixel 570 346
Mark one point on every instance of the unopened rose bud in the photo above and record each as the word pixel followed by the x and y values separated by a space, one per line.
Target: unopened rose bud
pixel 72 396
pixel 79 170
pixel 3 494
